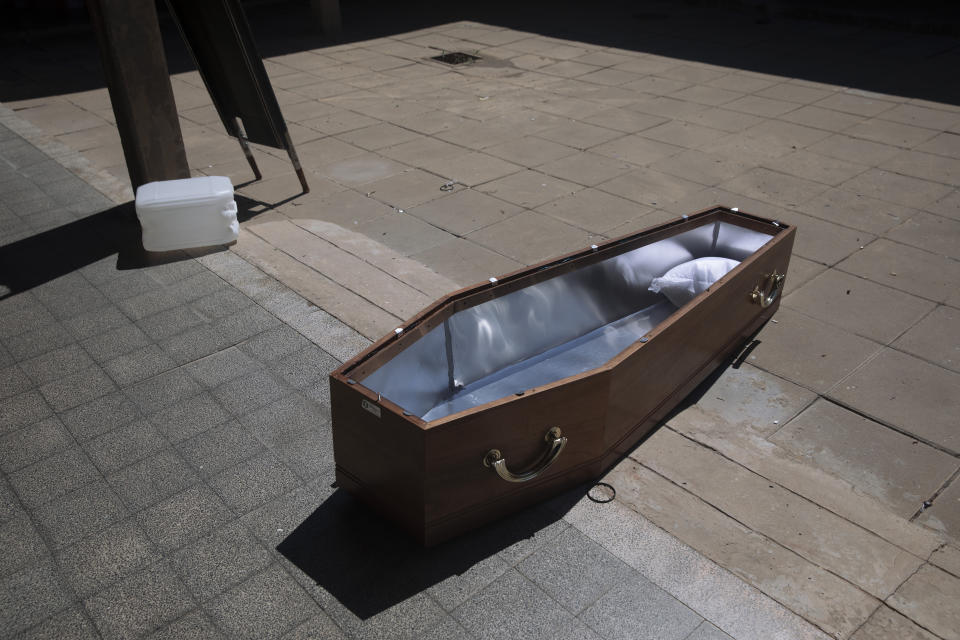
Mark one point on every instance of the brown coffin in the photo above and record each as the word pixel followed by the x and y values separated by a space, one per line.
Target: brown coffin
pixel 415 442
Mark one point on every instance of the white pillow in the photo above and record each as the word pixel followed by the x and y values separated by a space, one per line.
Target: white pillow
pixel 688 279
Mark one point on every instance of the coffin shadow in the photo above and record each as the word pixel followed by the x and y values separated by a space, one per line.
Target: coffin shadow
pixel 370 565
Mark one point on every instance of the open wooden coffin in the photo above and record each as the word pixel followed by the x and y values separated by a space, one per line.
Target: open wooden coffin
pixel 510 391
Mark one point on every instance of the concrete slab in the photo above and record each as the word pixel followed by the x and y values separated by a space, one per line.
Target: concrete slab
pixel 809 352
pixel 897 470
pixel 818 535
pixel 928 597
pixel 859 306
pixel 947 557
pixel 710 591
pixel 909 393
pixel 833 604
pixel 887 624
pixel 934 338
pixel 530 237
pixel 944 515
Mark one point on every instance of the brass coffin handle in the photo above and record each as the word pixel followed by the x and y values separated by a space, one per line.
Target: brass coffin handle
pixel 495 459
pixel 772 286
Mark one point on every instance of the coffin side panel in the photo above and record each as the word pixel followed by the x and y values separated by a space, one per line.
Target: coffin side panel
pixel 379 459
pixel 646 385
pixel 460 487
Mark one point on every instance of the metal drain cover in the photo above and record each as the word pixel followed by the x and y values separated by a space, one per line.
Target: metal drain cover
pixel 455 57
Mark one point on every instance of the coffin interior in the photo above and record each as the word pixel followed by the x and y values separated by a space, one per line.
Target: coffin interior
pixel 548 331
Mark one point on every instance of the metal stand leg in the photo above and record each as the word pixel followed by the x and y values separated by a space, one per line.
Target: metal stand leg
pixel 247 152
pixel 295 161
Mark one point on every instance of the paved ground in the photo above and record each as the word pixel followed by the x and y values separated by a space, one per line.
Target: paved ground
pixel 166 468
pixel 824 471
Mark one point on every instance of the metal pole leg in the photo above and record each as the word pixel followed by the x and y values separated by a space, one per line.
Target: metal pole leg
pixel 247 152
pixel 295 161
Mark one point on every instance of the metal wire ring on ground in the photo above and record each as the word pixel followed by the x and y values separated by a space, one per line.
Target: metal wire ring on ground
pixel 613 493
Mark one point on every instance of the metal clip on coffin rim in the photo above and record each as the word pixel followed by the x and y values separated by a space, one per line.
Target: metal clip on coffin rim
pixel 556 441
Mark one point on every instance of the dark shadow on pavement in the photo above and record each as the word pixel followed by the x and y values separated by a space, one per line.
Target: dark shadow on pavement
pixel 33 261
pixel 30 262
pixel 858 48
pixel 369 565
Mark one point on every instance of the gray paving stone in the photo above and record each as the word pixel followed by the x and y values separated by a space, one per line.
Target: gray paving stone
pixel 176 521
pixel 72 298
pixel 196 286
pixel 93 323
pixel 76 515
pixel 273 344
pixel 167 274
pixel 20 544
pixel 14 381
pixel 285 419
pixel 139 603
pixel 322 627
pixel 637 609
pixel 220 560
pixel 544 525
pixel 405 620
pixel 222 366
pixel 102 271
pixel 199 342
pixel 28 315
pixel 56 364
pixel 274 521
pixel 448 629
pixel 514 607
pixel 53 477
pixel 163 390
pixel 189 417
pixel 306 366
pixel 264 606
pixel 254 481
pixel 248 392
pixel 574 570
pixel 101 415
pixel 309 454
pixel 147 304
pixel 29 596
pixel 99 560
pixel 194 625
pixel 71 623
pixel 319 392
pixel 30 444
pixel 77 388
pixel 37 341
pixel 225 302
pixel 170 322
pixel 332 336
pixel 6 359
pixel 152 479
pixel 124 445
pixel 128 284
pixel 138 365
pixel 245 324
pixel 116 341
pixel 218 448
pixel 22 410
pixel 456 589
pixel 707 631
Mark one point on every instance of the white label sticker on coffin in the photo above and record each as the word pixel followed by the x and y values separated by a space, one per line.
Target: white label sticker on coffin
pixel 369 406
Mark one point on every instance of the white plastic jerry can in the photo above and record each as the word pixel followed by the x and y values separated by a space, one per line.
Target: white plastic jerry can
pixel 180 214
